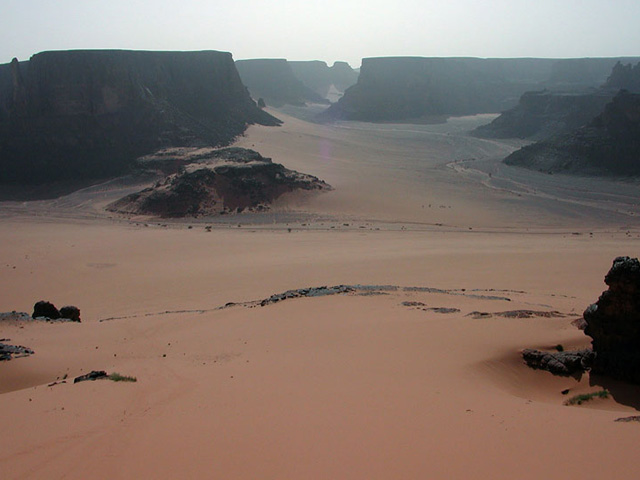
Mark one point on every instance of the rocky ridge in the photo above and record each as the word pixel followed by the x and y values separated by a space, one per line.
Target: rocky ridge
pixel 608 145
pixel 418 89
pixel 543 114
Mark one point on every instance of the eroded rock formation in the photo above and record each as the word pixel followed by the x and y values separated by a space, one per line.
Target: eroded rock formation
pixel 273 80
pixel 543 114
pixel 608 145
pixel 225 181
pixel 321 78
pixel 415 88
pixel 613 322
pixel 559 363
pixel 74 115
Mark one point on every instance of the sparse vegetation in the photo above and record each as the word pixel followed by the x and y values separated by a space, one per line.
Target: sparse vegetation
pixel 116 377
pixel 559 348
pixel 586 397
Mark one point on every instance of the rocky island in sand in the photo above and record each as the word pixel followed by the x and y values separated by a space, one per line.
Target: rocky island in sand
pixel 230 180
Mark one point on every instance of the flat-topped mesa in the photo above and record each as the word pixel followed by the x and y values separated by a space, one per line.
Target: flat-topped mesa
pixel 417 88
pixel 273 80
pixel 230 180
pixel 608 145
pixel 73 115
pixel 613 322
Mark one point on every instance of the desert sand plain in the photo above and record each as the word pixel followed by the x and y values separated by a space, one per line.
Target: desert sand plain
pixel 349 386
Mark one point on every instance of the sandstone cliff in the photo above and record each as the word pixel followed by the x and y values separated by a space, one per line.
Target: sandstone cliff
pixel 273 80
pixel 414 88
pixel 624 77
pixel 540 115
pixel 87 114
pixel 320 77
pixel 608 145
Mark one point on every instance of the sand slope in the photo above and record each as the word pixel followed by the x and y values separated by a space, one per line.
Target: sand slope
pixel 345 386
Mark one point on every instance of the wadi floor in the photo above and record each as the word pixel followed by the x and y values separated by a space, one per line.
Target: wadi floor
pixel 338 387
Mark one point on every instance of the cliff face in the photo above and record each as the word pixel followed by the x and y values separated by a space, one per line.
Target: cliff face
pixel 320 77
pixel 608 145
pixel 404 88
pixel 273 80
pixel 624 77
pixel 87 114
pixel 540 115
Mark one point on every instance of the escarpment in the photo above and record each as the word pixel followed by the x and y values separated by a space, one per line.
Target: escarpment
pixel 79 115
pixel 417 88
pixel 608 145
pixel 273 80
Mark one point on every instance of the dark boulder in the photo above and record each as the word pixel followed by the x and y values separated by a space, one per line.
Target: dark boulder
pixel 45 309
pixel 613 322
pixel 559 363
pixel 71 313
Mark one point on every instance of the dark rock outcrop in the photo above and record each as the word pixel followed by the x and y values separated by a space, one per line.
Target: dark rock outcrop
pixel 227 181
pixel 559 363
pixel 74 115
pixel 7 352
pixel 93 375
pixel 543 114
pixel 613 322
pixel 273 80
pixel 415 88
pixel 608 145
pixel 48 311
pixel 45 309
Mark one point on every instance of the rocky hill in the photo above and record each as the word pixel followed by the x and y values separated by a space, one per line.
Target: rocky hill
pixel 230 180
pixel 540 115
pixel 72 115
pixel 608 145
pixel 273 80
pixel 414 88
pixel 321 78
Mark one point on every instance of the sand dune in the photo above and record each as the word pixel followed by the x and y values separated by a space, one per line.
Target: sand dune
pixel 344 386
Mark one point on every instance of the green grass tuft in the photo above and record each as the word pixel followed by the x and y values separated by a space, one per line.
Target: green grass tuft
pixel 116 377
pixel 586 397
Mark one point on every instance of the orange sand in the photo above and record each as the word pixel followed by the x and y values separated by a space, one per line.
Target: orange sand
pixel 348 386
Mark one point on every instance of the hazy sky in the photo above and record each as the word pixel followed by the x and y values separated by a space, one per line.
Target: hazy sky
pixel 326 30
